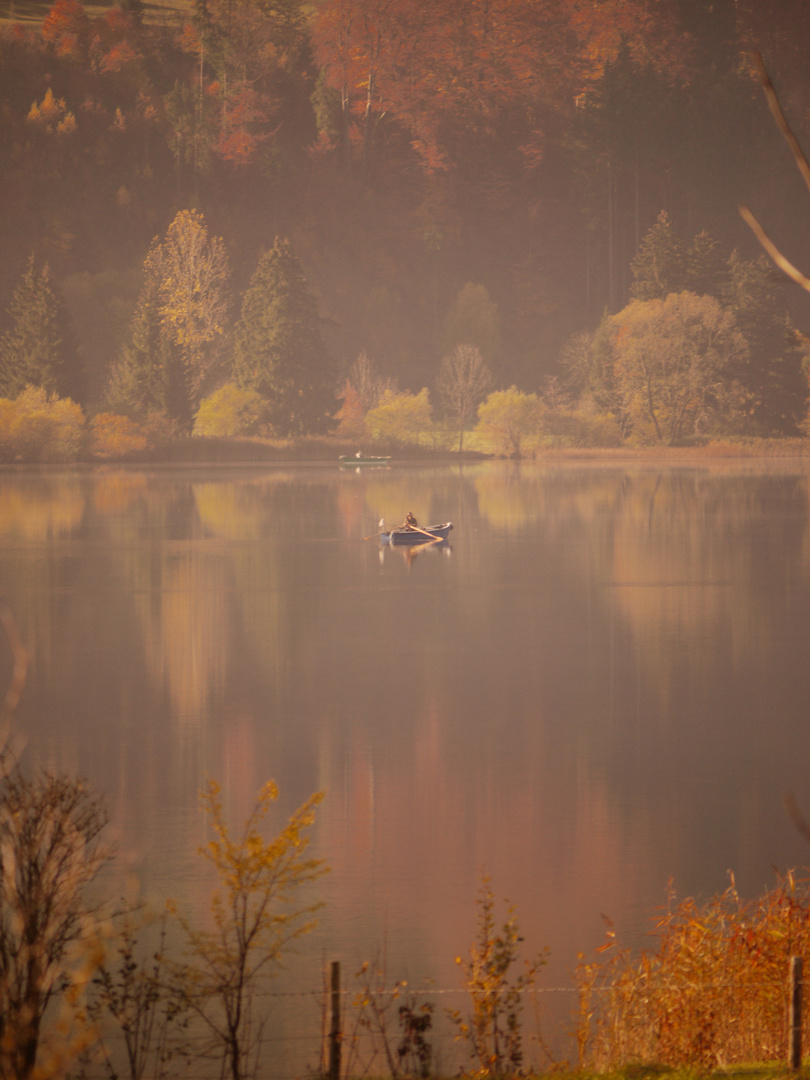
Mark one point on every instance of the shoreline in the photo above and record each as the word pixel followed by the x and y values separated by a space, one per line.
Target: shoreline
pixel 235 452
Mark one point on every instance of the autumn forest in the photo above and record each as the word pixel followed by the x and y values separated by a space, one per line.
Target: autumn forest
pixel 321 211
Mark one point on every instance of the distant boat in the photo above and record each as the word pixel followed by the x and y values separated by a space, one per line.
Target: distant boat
pixel 410 534
pixel 356 460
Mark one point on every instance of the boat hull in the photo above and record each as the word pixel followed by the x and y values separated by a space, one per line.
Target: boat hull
pixel 364 462
pixel 403 536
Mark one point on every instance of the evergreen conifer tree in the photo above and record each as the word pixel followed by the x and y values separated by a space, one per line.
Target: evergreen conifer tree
pixel 773 372
pixel 659 267
pixel 278 349
pixel 706 270
pixel 142 379
pixel 665 264
pixel 39 349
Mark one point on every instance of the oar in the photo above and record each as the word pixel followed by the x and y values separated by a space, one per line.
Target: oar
pixel 430 536
pixel 382 530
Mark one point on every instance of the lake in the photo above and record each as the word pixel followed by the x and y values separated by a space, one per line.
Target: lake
pixel 601 684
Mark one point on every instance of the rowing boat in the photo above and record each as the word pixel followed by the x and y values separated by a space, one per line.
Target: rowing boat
pixel 356 461
pixel 408 534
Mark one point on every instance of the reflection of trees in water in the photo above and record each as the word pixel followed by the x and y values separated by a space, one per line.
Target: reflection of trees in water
pixel 36 514
pixel 183 624
pixel 204 567
pixel 663 612
pixel 693 556
pixel 209 610
pixel 676 556
pixel 696 586
pixel 171 615
pixel 509 500
pixel 114 491
pixel 38 509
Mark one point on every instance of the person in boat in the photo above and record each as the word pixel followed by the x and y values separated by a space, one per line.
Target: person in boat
pixel 410 521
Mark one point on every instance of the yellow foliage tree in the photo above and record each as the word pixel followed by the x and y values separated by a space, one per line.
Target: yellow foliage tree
pixel 400 418
pixel 38 426
pixel 255 915
pixel 230 410
pixel 179 328
pixel 50 112
pixel 673 360
pixel 509 419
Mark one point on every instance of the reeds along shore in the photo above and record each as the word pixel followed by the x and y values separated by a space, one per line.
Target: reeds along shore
pixel 711 993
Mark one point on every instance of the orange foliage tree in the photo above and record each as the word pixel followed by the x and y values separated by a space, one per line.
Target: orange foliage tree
pixel 116 436
pixel 66 29
pixel 250 58
pixel 451 74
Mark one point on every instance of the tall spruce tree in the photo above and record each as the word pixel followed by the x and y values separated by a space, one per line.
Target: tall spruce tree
pixel 664 264
pixel 40 349
pixel 145 378
pixel 278 349
pixel 659 266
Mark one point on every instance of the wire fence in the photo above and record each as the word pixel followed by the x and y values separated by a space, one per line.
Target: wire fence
pixel 339 1032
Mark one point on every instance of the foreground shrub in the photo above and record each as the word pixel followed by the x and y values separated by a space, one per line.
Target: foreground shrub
pixel 493 1030
pixel 711 994
pixel 41 427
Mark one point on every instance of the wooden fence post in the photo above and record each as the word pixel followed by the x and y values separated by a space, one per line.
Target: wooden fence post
pixel 334 1029
pixel 795 1015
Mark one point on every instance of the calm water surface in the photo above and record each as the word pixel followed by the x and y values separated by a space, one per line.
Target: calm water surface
pixel 602 684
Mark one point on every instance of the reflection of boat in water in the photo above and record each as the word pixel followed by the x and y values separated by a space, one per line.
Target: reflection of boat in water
pixel 410 534
pixel 357 460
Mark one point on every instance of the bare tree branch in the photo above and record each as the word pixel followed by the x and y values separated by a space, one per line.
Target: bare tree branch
pixel 804 168
pixel 779 117
pixel 784 264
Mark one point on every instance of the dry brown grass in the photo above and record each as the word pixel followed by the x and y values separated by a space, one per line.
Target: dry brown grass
pixel 711 994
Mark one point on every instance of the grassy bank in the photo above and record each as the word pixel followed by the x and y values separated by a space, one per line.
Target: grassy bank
pixel 770 1071
pixel 163 447
pixel 233 450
